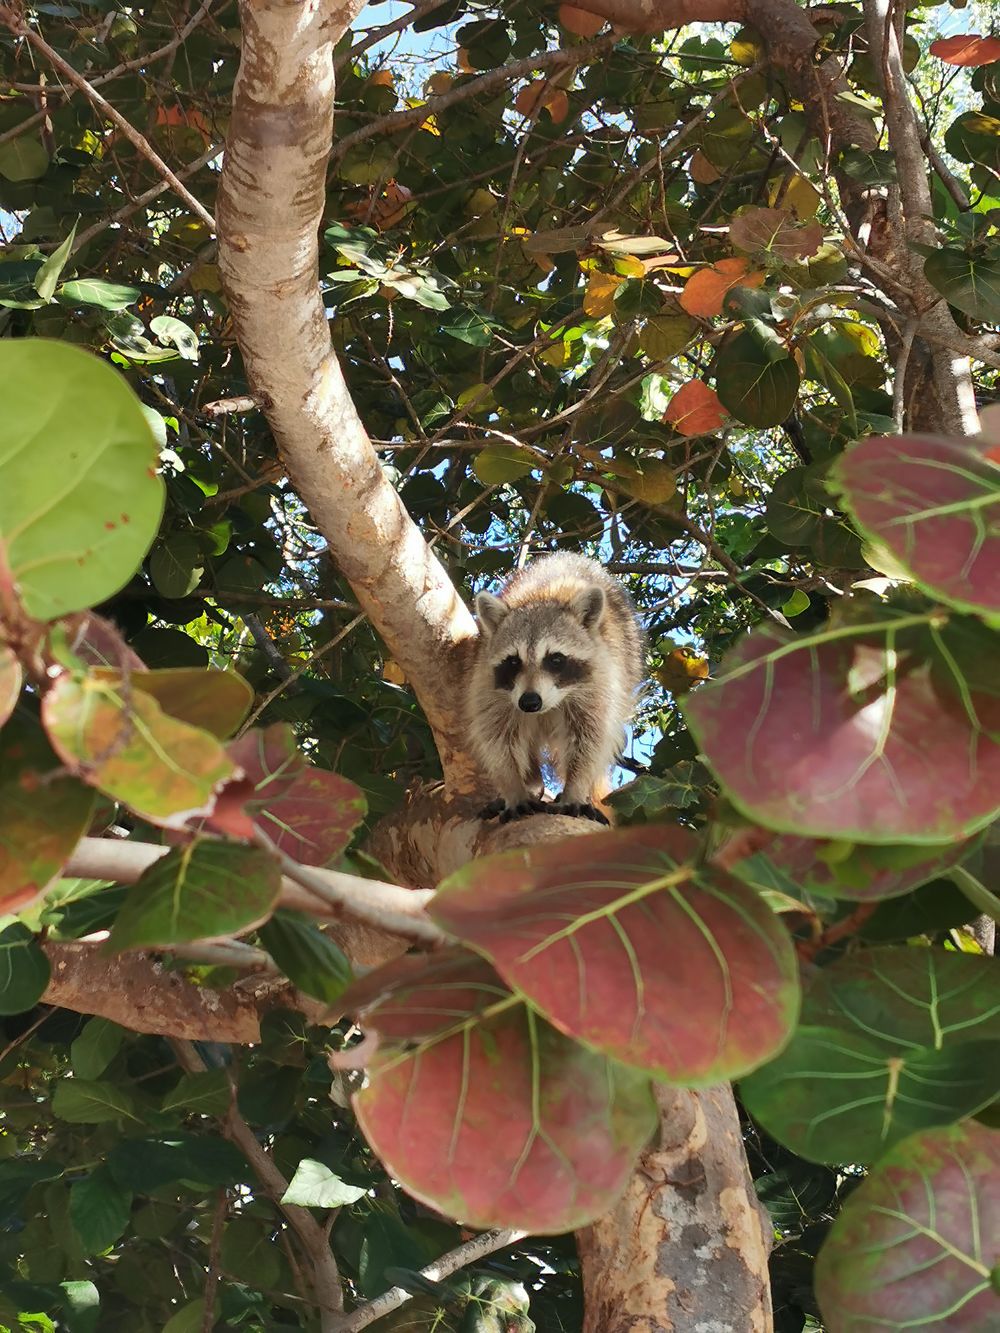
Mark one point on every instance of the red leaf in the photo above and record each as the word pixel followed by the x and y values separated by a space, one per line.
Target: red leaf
pixel 482 1110
pixel 310 814
pixel 695 409
pixel 627 945
pixel 935 503
pixel 966 49
pixel 705 292
pixel 880 731
pixel 915 1241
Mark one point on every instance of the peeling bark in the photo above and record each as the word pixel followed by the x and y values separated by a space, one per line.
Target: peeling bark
pixel 687 1245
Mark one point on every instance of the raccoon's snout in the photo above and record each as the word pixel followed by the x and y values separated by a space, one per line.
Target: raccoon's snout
pixel 530 702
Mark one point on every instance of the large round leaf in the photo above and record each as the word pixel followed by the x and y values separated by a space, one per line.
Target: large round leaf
pixel 883 730
pixel 935 503
pixel 916 1243
pixel 968 282
pixel 891 1041
pixel 626 944
pixel 80 498
pixel 756 387
pixel 482 1110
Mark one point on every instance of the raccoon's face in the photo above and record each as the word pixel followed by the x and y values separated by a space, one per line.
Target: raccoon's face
pixel 538 654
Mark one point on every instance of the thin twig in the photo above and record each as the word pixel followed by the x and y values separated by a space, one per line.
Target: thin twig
pixel 212 1273
pixel 469 1253
pixel 899 375
pixel 311 1235
pixel 20 29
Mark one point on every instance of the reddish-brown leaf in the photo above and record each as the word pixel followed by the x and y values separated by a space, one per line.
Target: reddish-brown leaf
pixel 482 1110
pixel 44 815
pixel 579 22
pixel 11 677
pixel 880 729
pixel 309 813
pixel 773 231
pixel 695 409
pixel 935 503
pixel 625 943
pixel 705 291
pixel 915 1242
pixel 966 49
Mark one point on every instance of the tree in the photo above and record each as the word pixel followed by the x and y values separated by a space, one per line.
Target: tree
pixel 671 295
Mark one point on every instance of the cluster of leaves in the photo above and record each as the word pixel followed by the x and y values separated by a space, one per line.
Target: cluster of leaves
pixel 605 305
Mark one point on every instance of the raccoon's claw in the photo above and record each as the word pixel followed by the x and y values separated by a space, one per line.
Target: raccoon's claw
pixel 493 809
pixel 579 810
pixel 521 811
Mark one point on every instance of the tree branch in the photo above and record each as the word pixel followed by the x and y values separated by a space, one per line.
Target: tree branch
pixel 271 200
pixel 20 29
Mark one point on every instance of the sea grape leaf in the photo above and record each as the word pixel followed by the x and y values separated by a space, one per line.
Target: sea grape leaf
pixel 11 678
pixel 309 813
pixel 82 1101
pixel 45 813
pixel 484 1111
pixel 216 701
pixel 80 497
pixel 757 389
pixel 177 564
pixel 203 890
pixel 309 958
pixel 858 872
pixel 774 231
pixel 201 1162
pixel 906 1039
pixel 24 969
pixel 99 1209
pixel 206 1092
pixel 628 945
pixel 880 727
pixel 915 1244
pixel 96 1046
pixel 122 742
pixel 935 503
pixel 314 1185
pixel 499 463
pixel 971 283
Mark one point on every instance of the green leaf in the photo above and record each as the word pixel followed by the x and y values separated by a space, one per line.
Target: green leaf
pixel 205 1093
pixel 47 276
pixel 202 891
pixel 310 959
pixel 969 283
pixel 92 1102
pixel 96 291
pixel 23 159
pixel 99 1209
pixel 177 564
pixel 80 501
pixel 199 1162
pixel 754 388
pixel 316 1186
pixel 95 1047
pixel 499 463
pixel 176 333
pixel 24 970
pixel 468 326
pixel 189 1318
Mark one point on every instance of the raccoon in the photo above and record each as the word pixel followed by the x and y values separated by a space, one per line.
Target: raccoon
pixel 559 659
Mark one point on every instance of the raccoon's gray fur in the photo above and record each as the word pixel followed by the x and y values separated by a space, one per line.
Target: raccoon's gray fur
pixel 559 660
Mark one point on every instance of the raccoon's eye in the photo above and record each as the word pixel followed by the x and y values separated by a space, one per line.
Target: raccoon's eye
pixel 512 663
pixel 555 661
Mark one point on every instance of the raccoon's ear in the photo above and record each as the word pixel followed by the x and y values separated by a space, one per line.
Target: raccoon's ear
pixel 588 606
pixel 490 611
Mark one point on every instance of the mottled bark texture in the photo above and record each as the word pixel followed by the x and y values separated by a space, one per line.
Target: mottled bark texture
pixel 686 1247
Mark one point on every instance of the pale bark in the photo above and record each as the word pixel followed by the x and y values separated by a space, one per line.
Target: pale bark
pixel 271 200
pixel 686 1247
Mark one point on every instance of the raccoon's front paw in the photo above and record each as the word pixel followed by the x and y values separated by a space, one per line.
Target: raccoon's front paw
pixel 494 808
pixel 522 810
pixel 579 810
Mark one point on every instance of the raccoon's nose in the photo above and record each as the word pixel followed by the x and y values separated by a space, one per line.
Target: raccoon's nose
pixel 530 702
